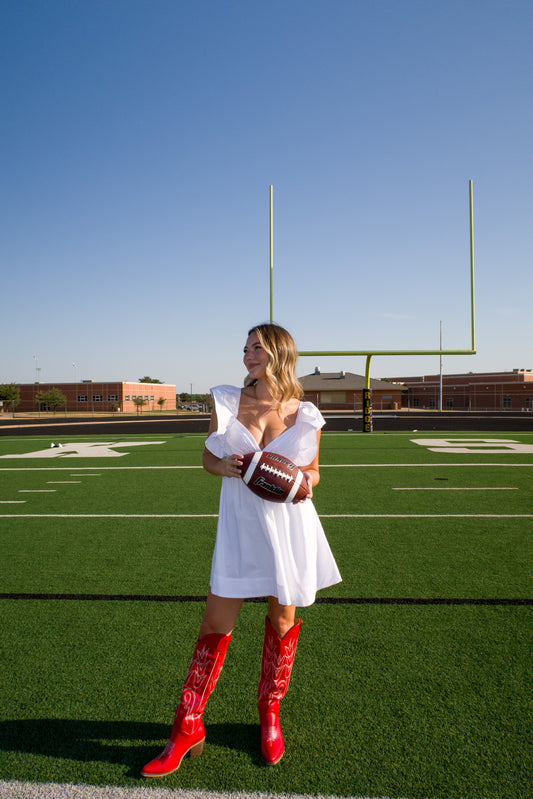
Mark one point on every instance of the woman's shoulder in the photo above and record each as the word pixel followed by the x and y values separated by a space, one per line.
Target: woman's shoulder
pixel 309 414
pixel 226 390
pixel 226 396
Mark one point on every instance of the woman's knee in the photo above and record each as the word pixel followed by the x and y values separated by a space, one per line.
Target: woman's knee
pixel 220 615
pixel 282 617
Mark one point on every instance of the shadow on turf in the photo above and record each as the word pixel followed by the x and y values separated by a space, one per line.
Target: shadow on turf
pixel 128 743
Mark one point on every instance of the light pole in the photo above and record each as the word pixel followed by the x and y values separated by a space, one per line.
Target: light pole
pixel 440 392
pixel 75 365
pixel 37 370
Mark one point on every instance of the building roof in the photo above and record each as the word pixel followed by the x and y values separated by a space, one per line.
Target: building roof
pixel 342 381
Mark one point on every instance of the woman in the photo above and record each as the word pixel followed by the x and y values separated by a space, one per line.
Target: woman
pixel 262 548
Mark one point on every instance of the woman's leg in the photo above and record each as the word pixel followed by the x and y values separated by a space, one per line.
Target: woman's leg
pixel 220 615
pixel 281 617
pixel 188 734
pixel 279 648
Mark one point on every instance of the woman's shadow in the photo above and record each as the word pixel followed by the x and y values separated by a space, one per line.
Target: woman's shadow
pixel 126 743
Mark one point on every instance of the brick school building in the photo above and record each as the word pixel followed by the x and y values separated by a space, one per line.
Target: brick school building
pixel 91 396
pixel 489 391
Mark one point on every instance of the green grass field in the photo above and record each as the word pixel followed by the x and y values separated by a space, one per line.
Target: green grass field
pixel 413 676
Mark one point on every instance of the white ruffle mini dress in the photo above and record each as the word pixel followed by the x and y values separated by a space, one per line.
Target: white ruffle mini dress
pixel 267 548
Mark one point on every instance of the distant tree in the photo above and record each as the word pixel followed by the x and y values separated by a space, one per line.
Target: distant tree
pixel 140 402
pixel 53 398
pixel 147 379
pixel 161 402
pixel 9 394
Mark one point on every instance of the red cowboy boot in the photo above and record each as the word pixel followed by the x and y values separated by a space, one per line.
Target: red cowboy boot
pixel 188 734
pixel 276 667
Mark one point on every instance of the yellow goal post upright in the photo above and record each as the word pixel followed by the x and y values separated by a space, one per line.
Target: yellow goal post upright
pixel 367 393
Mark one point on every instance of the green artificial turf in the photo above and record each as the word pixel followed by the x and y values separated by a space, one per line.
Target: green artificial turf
pixel 386 699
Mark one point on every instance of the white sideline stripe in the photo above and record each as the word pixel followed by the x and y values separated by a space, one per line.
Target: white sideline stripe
pixel 447 488
pixel 62 482
pixel 12 501
pixel 215 515
pixel 415 465
pixel 322 466
pixel 89 468
pixel 51 790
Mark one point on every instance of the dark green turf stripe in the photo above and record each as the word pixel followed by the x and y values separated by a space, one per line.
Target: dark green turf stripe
pixel 320 600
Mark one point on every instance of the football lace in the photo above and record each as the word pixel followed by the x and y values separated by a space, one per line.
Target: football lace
pixel 273 470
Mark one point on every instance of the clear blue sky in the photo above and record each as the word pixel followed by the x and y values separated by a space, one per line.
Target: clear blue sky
pixel 139 139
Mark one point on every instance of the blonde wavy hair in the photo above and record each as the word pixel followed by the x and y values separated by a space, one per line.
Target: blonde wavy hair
pixel 281 349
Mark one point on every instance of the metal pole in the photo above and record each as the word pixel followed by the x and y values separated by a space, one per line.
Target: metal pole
pixel 472 306
pixel 271 258
pixel 367 399
pixel 440 360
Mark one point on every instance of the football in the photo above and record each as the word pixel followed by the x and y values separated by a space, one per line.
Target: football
pixel 273 477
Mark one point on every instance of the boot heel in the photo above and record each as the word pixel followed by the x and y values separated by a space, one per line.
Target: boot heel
pixel 197 749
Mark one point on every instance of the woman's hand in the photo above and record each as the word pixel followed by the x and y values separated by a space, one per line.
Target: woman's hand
pixel 223 467
pixel 232 466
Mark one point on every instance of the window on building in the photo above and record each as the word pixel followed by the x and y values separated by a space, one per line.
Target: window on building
pixel 82 398
pixel 416 402
pixel 333 396
pixel 529 403
pixel 98 398
pixel 146 397
pixel 449 402
pixel 134 397
pixel 507 402
pixel 152 398
pixel 127 398
pixel 432 403
pixel 112 397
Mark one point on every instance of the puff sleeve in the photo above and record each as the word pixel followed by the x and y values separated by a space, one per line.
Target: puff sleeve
pixel 226 401
pixel 310 420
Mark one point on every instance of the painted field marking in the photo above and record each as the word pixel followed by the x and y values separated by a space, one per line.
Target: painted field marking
pixel 30 790
pixel 37 491
pixel 446 488
pixel 100 449
pixel 465 446
pixel 215 515
pixel 63 482
pixel 416 465
pixel 322 466
pixel 12 501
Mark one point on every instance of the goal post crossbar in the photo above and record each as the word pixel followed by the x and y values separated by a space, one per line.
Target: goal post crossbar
pixel 369 354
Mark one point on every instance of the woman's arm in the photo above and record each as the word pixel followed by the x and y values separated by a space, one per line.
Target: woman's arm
pixel 311 471
pixel 223 467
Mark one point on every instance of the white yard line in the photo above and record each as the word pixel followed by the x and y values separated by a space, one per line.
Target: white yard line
pixel 79 469
pixel 50 790
pixel 449 488
pixel 215 515
pixel 37 491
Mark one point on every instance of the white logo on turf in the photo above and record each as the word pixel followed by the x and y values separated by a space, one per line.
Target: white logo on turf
pixel 103 449
pixel 483 446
